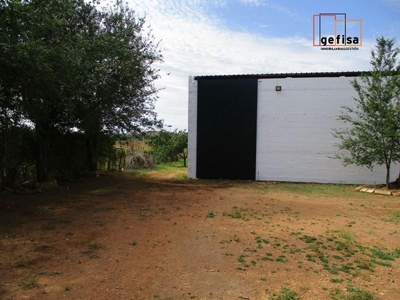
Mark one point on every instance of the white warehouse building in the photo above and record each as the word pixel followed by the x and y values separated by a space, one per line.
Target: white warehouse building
pixel 275 127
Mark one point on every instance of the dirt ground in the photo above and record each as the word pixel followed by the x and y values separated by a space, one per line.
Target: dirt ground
pixel 120 236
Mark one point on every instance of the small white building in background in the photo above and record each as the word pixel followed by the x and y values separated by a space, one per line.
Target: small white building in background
pixel 275 127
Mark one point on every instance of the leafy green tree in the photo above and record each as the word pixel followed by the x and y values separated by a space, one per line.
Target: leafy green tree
pixel 161 146
pixel 9 121
pixel 181 144
pixel 168 146
pixel 373 137
pixel 66 66
pixel 17 155
pixel 116 75
pixel 36 40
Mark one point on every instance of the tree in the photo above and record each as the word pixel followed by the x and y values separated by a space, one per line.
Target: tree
pixel 66 66
pixel 36 47
pixel 373 137
pixel 181 144
pixel 168 146
pixel 116 93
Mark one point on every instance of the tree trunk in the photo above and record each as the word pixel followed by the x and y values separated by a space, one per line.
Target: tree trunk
pixel 4 151
pixel 91 146
pixel 42 155
pixel 387 174
pixel 2 169
pixel 3 154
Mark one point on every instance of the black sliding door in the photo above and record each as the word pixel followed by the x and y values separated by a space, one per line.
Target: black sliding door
pixel 226 128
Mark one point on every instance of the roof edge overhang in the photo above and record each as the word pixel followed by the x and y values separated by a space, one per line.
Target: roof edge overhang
pixel 284 75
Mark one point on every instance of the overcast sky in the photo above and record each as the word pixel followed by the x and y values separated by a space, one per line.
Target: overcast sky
pixel 212 37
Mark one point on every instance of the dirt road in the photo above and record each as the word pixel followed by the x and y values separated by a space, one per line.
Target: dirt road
pixel 124 237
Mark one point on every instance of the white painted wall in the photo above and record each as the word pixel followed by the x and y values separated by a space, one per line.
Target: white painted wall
pixel 192 128
pixel 294 140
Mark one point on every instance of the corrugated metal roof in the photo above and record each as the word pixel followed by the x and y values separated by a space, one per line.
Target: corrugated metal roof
pixel 283 75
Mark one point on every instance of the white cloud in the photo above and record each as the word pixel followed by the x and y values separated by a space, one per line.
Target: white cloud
pixel 252 2
pixel 195 42
pixel 395 3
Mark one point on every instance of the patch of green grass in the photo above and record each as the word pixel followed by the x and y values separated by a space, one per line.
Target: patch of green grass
pixel 140 173
pixel 316 190
pixel 396 214
pixel 394 217
pixel 168 167
pixel 365 265
pixel 91 247
pixel 376 253
pixel 322 258
pixel 396 253
pixel 314 247
pixel 210 215
pixel 181 176
pixel 162 168
pixel 334 270
pixel 308 239
pixel 347 236
pixel 94 246
pixel 281 259
pixel 265 258
pixel 340 245
pixel 310 257
pixel 295 250
pixel 336 280
pixel 235 213
pixel 336 293
pixel 285 294
pixel 345 268
pixel 21 264
pixel 67 288
pixel 356 293
pixel 31 283
pixel 381 263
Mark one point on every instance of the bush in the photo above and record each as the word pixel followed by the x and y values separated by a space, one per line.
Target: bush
pixel 136 160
